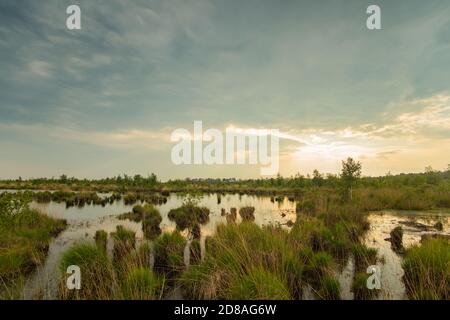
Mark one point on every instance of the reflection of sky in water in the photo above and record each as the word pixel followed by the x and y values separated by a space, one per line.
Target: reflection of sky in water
pixel 381 224
pixel 266 212
pixel 85 221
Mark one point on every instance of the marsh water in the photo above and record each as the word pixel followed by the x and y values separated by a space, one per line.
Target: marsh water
pixel 85 221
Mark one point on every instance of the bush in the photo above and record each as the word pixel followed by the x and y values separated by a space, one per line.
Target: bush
pixel 189 215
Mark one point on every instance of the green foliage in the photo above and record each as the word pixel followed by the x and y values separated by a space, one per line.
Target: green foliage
pixel 24 237
pixel 124 242
pixel 329 288
pixel 351 170
pixel 359 287
pixel 169 254
pixel 239 259
pixel 258 284
pixel 427 270
pixel 151 221
pixel 96 272
pixel 363 256
pixel 141 284
pixel 14 210
pixel 188 215
pixel 101 239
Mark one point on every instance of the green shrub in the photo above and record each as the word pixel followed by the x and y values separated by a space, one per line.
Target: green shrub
pixel 189 215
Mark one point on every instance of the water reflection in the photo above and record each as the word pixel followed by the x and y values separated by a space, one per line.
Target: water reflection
pixel 84 222
pixel 390 263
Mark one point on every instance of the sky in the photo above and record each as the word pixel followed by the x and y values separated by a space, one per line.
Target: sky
pixel 104 100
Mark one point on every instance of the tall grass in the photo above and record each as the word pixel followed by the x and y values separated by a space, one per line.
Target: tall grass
pixel 427 270
pixel 101 279
pixel 169 254
pixel 124 242
pixel 24 238
pixel 97 274
pixel 244 261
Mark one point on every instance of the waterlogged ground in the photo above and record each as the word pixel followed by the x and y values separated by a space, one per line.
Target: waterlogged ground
pixel 389 262
pixel 84 222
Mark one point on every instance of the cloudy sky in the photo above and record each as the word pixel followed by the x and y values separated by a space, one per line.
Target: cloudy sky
pixel 104 100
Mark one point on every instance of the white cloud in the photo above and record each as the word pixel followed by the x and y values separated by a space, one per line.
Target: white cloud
pixel 39 68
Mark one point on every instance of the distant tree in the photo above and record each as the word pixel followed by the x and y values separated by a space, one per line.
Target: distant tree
pixel 152 179
pixel 448 167
pixel 351 171
pixel 317 178
pixel 63 178
pixel 429 169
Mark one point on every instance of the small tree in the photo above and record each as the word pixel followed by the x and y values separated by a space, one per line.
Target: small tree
pixel 351 171
pixel 429 169
pixel 317 178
